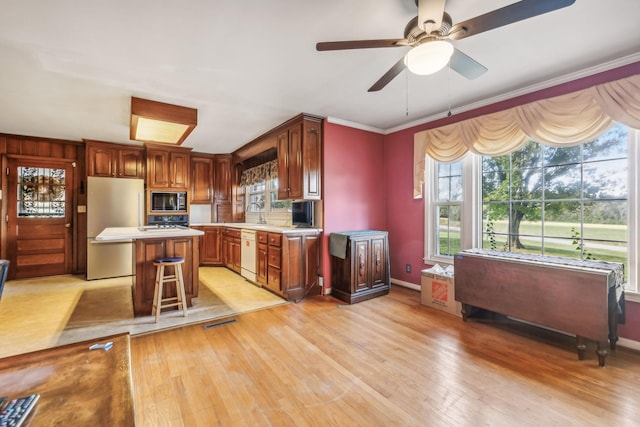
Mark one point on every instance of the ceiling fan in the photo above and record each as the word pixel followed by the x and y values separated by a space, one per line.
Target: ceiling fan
pixel 427 35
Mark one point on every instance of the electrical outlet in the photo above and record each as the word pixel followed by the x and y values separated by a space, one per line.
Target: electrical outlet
pixel 407 268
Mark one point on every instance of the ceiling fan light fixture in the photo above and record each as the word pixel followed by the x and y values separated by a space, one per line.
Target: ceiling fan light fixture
pixel 429 58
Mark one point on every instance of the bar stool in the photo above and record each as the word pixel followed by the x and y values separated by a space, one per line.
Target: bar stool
pixel 180 300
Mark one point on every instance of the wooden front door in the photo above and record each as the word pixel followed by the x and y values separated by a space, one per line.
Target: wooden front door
pixel 39 231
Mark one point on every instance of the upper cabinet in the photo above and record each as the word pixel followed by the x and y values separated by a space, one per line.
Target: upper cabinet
pixel 222 179
pixel 201 179
pixel 114 160
pixel 168 167
pixel 299 159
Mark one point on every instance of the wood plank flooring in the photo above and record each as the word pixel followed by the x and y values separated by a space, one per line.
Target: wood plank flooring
pixel 385 362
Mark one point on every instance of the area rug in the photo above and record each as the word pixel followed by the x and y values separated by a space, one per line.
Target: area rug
pixel 42 313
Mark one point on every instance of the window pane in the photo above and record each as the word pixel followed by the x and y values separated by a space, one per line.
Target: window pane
pixel 41 192
pixel 563 182
pixel 448 230
pixel 526 184
pixel 554 156
pixel 606 179
pixel 610 145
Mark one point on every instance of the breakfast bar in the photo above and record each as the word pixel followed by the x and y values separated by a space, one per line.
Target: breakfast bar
pixel 156 242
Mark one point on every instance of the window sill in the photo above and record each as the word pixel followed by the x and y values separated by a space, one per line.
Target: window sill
pixel 632 296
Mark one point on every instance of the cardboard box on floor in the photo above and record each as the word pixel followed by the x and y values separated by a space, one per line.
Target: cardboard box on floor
pixel 438 292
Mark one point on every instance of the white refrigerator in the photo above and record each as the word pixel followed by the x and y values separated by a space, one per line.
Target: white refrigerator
pixel 112 202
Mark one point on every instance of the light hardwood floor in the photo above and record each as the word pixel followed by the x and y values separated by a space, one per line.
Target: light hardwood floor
pixel 385 362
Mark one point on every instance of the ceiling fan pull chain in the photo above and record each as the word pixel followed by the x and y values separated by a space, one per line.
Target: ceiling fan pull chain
pixel 406 96
pixel 449 87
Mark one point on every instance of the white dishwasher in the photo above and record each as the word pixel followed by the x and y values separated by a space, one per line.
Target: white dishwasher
pixel 248 254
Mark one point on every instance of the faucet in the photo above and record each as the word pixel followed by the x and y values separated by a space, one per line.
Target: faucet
pixel 260 217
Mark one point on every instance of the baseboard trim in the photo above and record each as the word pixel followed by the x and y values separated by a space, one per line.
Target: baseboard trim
pixel 406 284
pixel 630 344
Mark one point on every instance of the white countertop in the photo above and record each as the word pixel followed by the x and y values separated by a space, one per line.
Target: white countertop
pixel 258 227
pixel 124 233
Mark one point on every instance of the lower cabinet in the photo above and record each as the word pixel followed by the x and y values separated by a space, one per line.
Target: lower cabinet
pixel 262 257
pixel 210 246
pixel 231 248
pixel 359 265
pixel 274 262
pixel 287 263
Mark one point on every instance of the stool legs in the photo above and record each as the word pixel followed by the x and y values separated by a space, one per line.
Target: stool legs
pixel 180 300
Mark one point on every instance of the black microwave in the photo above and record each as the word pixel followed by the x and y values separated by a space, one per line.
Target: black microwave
pixel 168 201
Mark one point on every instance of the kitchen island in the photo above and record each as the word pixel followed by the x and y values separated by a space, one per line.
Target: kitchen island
pixel 152 243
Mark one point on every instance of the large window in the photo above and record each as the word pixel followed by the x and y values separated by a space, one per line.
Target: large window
pixel 574 202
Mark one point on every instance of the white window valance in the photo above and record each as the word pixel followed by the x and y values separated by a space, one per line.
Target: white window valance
pixel 565 120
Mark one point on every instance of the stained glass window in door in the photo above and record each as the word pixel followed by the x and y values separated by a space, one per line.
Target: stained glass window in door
pixel 41 192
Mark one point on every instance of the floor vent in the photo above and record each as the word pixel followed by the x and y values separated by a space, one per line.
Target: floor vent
pixel 222 323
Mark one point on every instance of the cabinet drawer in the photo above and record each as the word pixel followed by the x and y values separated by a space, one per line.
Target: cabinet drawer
pixel 275 239
pixel 274 257
pixel 261 237
pixel 231 232
pixel 273 278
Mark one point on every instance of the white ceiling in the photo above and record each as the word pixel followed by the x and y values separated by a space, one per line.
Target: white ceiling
pixel 69 67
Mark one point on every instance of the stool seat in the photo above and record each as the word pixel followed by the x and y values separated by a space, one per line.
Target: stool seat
pixel 169 259
pixel 180 300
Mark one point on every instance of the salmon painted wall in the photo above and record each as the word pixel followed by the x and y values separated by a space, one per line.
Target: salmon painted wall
pixel 405 216
pixel 353 183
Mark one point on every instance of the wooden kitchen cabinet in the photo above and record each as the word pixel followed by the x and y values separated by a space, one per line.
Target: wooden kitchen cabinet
pixel 231 245
pixel 262 257
pixel 201 180
pixel 210 245
pixel 360 269
pixel 299 147
pixel 293 263
pixel 114 160
pixel 222 206
pixel 274 262
pixel 168 167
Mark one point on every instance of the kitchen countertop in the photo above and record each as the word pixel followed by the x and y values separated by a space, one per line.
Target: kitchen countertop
pixel 258 227
pixel 123 233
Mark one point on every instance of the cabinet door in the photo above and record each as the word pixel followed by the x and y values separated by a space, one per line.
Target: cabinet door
pixel 361 261
pixel 312 160
pixel 201 180
pixel 236 254
pixel 102 161
pixel 130 163
pixel 179 169
pixel 295 163
pixel 261 274
pixel 222 180
pixel 283 165
pixel 157 168
pixel 211 246
pixel 378 262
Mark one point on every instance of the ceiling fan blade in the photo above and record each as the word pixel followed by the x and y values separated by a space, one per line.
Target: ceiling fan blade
pixel 430 14
pixel 515 12
pixel 466 66
pixel 360 44
pixel 388 76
